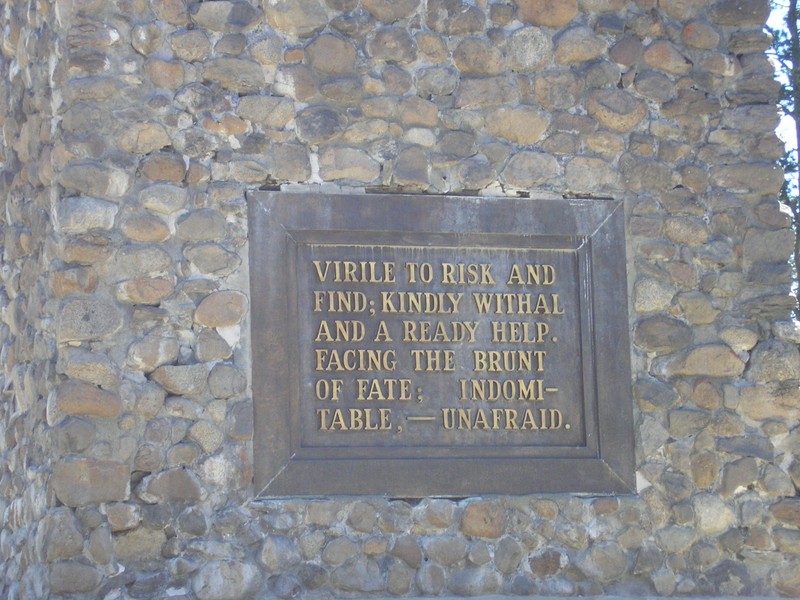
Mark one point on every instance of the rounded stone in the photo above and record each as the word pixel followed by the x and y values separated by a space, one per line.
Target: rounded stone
pixel 226 580
pixel 226 381
pixel 547 13
pixel 221 309
pixel 83 319
pixel 84 399
pixel 522 125
pixel 528 50
pixel 604 561
pixel 530 169
pixel 175 486
pixel 331 54
pixel 183 380
pixel 483 519
pixel 713 515
pixel 617 110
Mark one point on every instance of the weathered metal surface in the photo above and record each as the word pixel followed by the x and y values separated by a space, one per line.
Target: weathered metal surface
pixel 439 346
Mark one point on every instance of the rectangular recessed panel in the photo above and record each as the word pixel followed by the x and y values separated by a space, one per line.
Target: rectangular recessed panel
pixel 412 346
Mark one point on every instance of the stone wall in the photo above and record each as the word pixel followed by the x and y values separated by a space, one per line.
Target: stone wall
pixel 132 131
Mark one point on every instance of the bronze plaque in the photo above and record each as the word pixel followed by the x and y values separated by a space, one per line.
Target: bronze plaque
pixel 416 346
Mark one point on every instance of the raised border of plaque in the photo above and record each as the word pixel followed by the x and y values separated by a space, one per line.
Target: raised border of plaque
pixel 288 231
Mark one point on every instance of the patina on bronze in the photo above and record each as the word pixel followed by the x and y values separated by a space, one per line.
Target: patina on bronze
pixel 417 346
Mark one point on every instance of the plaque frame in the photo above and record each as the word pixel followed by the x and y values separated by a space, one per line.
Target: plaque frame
pixel 282 469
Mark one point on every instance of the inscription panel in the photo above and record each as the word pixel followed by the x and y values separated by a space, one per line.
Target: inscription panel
pixel 416 346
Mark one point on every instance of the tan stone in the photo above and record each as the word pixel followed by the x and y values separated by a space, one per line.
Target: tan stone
pixel 139 544
pixel 664 56
pixel 476 56
pixel 705 470
pixel 547 13
pixel 174 486
pixel 145 290
pixel 81 280
pixel 83 319
pixel 578 44
pixel 414 110
pixel 172 12
pixel 79 398
pixel 81 481
pixel 91 367
pixel 191 46
pixel 389 11
pixel 164 73
pixel 237 74
pixel 183 380
pixel 347 163
pixel 164 167
pixel 221 309
pixel 300 17
pixel 710 360
pixel 586 174
pixel 143 138
pixel 522 125
pixel 331 54
pixel 700 35
pixel 145 228
pixel 615 109
pixel 432 46
pixel 483 519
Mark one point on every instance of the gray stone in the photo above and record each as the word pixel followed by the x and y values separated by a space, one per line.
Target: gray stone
pixel 687 422
pixel 507 555
pixel 713 515
pixel 350 164
pixel 662 334
pixel 604 561
pixel 740 12
pixel 226 580
pixel 80 214
pixel 617 110
pixel 528 50
pixel 318 124
pixel 592 175
pixel 163 198
pixel 655 86
pixel 183 380
pixel 201 225
pixel 212 259
pixel 279 554
pixel 226 381
pixel 73 577
pixel 407 549
pixel 486 92
pixel 453 17
pixel 80 481
pixel 61 536
pixel 389 11
pixel 393 44
pixel 235 74
pixel 474 581
pixel 748 445
pixel 155 349
pixel 477 56
pixel 338 551
pixel 710 360
pixel 269 111
pixel 174 486
pixel 676 539
pixel 529 169
pixel 436 81
pixel 225 16
pixel 774 360
pixel 359 575
pixel 430 579
pixel 299 17
pixel 648 389
pixel 738 475
pixel 81 319
pixel 331 54
pixel 558 89
pixel 91 367
pixel 95 179
pixel 445 550
pixel 211 347
pixel 578 44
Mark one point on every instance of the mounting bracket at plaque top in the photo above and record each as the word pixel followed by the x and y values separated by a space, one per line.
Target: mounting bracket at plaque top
pixel 415 346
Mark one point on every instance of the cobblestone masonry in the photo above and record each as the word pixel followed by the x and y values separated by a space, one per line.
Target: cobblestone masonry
pixel 131 131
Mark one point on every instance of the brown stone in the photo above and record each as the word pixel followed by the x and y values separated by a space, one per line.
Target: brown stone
pixel 353 164
pixel 558 89
pixel 202 225
pixel 705 469
pixel 547 13
pixel 454 17
pixel 81 481
pixel 662 334
pixel 172 12
pixel 584 174
pixel 164 167
pixel 95 179
pixel 145 228
pixel 700 35
pixel 529 169
pixel 191 46
pixel 221 309
pixel 483 519
pixel 270 111
pixel 84 399
pixel 414 110
pixel 225 15
pixel 627 51
pixel 164 73
pixel 787 511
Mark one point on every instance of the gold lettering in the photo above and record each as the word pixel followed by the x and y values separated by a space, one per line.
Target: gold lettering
pixel 347 271
pixel 383 389
pixel 497 361
pixel 452 332
pixel 339 301
pixel 534 275
pixel 510 390
pixel 433 360
pixel 441 303
pixel 346 331
pixel 502 303
pixel 359 359
pixel 519 332
pixel 354 419
pixel 382 334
